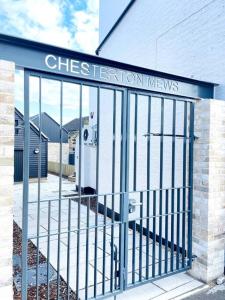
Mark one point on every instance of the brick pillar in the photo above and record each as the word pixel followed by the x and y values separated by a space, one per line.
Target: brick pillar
pixel 209 190
pixel 7 70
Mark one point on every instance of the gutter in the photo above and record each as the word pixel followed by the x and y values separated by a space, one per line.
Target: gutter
pixel 97 51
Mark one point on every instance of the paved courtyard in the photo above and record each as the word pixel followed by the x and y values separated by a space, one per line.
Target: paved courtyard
pixel 215 293
pixel 167 288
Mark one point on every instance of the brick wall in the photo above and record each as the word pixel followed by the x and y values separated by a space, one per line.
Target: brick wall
pixel 209 190
pixel 6 176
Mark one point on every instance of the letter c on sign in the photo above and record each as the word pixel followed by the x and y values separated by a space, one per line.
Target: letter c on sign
pixel 47 62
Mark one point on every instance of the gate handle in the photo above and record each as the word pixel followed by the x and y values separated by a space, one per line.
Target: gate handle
pixel 133 202
pixel 136 203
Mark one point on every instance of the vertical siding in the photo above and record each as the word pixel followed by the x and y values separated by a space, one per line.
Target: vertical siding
pixel 34 143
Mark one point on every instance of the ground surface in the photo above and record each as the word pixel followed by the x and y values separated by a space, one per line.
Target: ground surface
pixel 215 293
pixel 162 289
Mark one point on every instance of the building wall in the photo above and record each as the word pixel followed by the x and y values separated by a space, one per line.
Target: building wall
pixel 54 159
pixel 179 37
pixel 54 152
pixel 115 8
pixel 34 143
pixel 209 191
pixel 6 177
pixel 186 38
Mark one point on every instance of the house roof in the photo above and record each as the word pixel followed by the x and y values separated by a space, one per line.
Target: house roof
pixel 115 25
pixel 33 126
pixel 51 128
pixel 34 118
pixel 74 124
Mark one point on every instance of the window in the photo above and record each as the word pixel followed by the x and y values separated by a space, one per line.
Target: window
pixel 16 127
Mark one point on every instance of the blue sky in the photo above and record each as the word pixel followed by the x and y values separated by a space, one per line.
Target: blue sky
pixel 72 24
pixel 66 23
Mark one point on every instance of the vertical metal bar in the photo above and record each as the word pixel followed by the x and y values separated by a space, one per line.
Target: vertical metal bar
pixel 148 186
pixel 87 249
pixel 97 191
pixel 166 230
pixel 135 143
pixel 68 250
pixel 178 229
pixel 60 192
pixel 133 252
pixel 190 180
pixel 124 195
pixel 48 248
pixel 104 245
pixel 126 137
pixel 154 234
pixel 184 185
pixel 161 186
pixel 134 184
pixel 79 199
pixel 113 188
pixel 39 187
pixel 141 235
pixel 172 184
pixel 25 184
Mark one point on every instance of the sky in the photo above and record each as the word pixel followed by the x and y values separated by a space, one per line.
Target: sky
pixel 72 24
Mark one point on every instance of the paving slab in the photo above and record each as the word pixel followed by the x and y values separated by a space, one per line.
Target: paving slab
pixel 167 288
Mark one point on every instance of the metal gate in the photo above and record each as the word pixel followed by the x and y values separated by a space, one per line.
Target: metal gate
pixel 136 157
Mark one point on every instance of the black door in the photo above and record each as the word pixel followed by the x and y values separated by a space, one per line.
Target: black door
pixel 18 165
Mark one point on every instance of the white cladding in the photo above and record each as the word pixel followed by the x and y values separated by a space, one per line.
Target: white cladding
pixel 178 37
pixel 88 160
pixel 115 8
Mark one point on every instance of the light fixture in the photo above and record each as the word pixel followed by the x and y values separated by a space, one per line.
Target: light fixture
pixel 36 151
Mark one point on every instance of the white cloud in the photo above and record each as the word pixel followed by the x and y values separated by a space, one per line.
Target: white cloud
pixel 43 20
pixel 87 24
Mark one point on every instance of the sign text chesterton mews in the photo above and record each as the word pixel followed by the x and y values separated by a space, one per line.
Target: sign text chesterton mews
pixel 110 74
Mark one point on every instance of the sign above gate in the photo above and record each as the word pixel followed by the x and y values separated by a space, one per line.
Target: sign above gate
pixel 40 57
pixel 111 75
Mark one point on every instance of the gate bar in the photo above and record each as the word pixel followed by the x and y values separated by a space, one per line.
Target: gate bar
pixel 148 185
pixel 135 141
pixel 154 234
pixel 39 184
pixel 166 230
pixel 113 187
pixel 190 202
pixel 97 188
pixel 48 249
pixel 79 193
pixel 60 192
pixel 173 183
pixel 184 183
pixel 25 183
pixel 178 230
pixel 161 186
pixel 68 250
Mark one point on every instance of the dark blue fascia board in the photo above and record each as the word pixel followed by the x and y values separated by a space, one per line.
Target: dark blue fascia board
pixel 27 53
pixel 115 25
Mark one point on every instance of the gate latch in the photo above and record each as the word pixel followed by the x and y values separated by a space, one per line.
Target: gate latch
pixel 132 205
